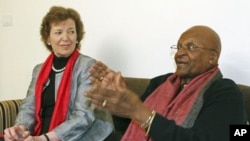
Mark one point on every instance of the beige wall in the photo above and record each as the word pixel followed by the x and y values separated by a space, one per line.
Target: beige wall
pixel 132 36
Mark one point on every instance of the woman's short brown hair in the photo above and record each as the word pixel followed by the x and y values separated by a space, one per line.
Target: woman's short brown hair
pixel 58 14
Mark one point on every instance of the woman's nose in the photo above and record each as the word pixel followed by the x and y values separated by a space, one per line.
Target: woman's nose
pixel 65 36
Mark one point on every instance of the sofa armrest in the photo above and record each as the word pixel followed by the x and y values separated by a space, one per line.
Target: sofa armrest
pixel 8 113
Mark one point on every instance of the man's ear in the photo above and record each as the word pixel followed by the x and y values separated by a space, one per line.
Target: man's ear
pixel 213 58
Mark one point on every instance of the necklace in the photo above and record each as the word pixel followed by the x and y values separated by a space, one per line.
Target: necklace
pixel 58 70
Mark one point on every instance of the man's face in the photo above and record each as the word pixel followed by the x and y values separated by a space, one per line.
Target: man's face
pixel 194 54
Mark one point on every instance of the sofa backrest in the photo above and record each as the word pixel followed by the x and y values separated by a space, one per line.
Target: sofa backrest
pixel 8 113
pixel 138 85
pixel 246 93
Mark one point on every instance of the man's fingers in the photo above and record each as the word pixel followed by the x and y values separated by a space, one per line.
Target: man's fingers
pixel 97 97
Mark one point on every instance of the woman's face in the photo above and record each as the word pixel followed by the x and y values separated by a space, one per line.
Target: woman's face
pixel 63 38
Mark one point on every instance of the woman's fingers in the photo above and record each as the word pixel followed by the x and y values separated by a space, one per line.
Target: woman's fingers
pixel 15 133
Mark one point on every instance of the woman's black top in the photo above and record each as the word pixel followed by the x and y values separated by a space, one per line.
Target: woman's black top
pixel 48 96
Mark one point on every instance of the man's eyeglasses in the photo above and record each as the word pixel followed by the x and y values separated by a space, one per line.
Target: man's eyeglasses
pixel 189 47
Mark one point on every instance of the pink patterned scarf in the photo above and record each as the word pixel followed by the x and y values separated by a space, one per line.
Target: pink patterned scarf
pixel 63 93
pixel 183 107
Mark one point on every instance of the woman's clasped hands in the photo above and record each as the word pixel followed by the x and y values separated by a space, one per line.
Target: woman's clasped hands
pixel 19 133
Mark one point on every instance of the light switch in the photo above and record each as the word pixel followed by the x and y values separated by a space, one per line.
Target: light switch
pixel 7 20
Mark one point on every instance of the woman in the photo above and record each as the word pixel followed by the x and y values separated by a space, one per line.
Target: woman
pixel 55 107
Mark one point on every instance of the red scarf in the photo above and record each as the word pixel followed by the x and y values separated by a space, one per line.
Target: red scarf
pixel 165 101
pixel 63 93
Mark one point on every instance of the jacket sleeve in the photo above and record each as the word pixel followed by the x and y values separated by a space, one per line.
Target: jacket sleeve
pixel 26 112
pixel 83 118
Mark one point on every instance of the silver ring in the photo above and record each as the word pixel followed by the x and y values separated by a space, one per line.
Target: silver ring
pixel 104 103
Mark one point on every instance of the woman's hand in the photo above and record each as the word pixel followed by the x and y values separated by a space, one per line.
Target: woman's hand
pixel 16 133
pixel 35 138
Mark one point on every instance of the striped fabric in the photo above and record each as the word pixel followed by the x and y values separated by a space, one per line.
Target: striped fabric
pixel 8 112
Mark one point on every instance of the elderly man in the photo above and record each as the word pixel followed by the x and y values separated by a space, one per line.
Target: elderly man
pixel 193 104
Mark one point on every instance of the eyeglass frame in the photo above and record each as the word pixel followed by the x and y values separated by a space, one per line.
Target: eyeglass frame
pixel 189 47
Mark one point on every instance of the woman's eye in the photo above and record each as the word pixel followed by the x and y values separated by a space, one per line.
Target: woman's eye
pixel 58 33
pixel 72 32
